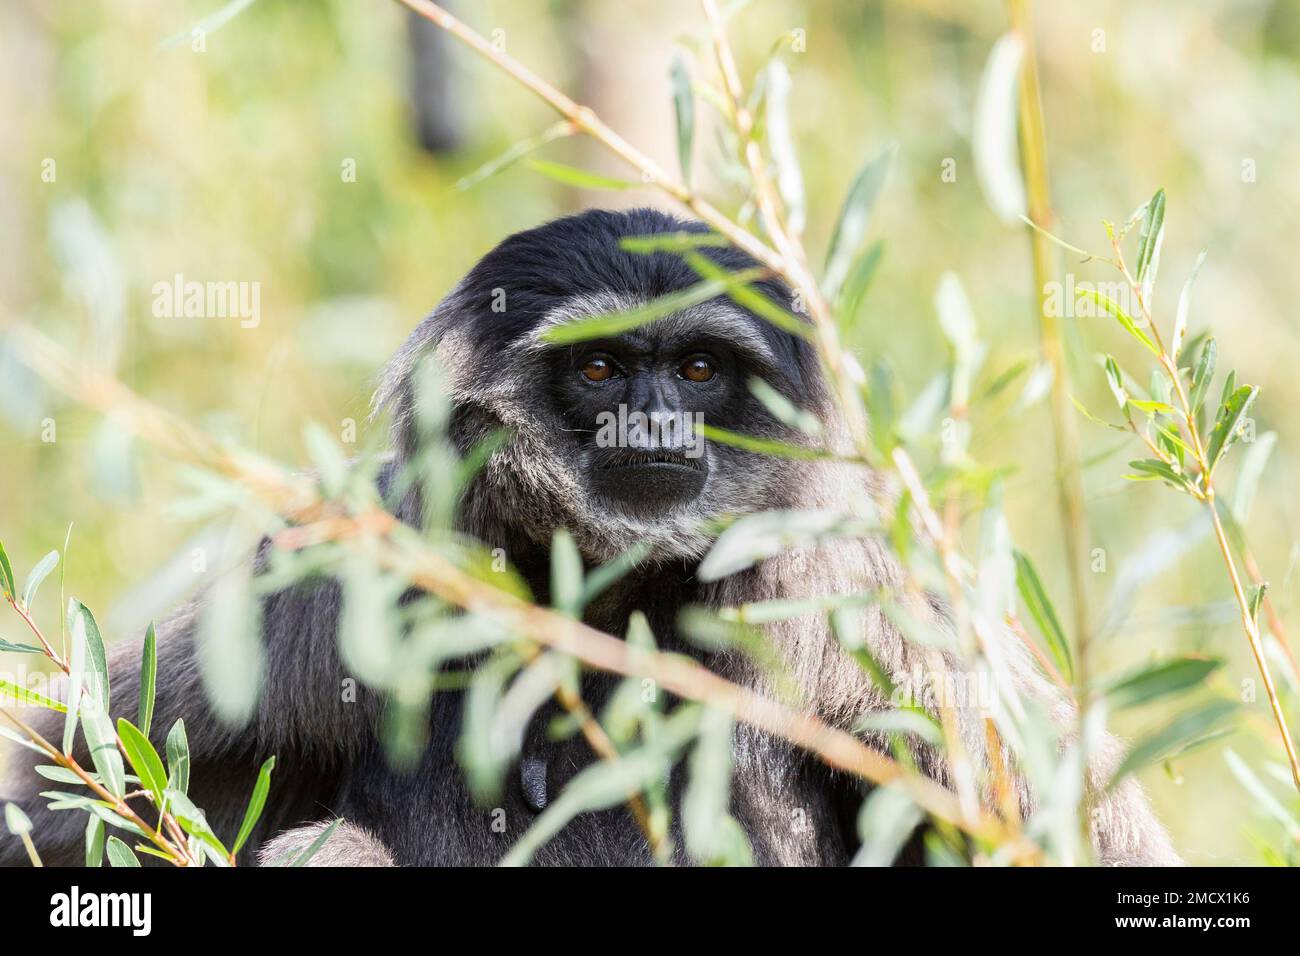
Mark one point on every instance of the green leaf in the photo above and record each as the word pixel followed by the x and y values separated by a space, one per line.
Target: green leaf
pixel 780 143
pixel 1184 308
pixel 119 854
pixel 673 242
pixel 96 657
pixel 765 534
pixel 1150 407
pixel 1111 307
pixel 178 758
pixel 6 574
pixel 317 844
pixel 148 678
pixel 1115 379
pixel 762 446
pixel 748 297
pixel 1149 469
pixel 616 323
pixel 38 574
pixel 1249 473
pixel 708 794
pixel 17 821
pixel 566 574
pixel 1160 680
pixel 1226 427
pixel 1257 599
pixel 1040 608
pixel 581 178
pixel 6 646
pixel 1153 224
pixel 1177 733
pixel 95 841
pixel 256 803
pixel 1204 373
pixel 885 823
pixel 684 109
pixel 194 822
pixel 854 221
pixel 607 574
pixel 143 757
pixel 858 283
pixel 515 153
pixel 609 782
pixel 25 696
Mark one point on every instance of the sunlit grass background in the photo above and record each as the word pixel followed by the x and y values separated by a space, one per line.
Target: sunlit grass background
pixel 226 165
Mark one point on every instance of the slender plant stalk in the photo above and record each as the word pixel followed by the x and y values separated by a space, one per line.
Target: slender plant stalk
pixel 1069 472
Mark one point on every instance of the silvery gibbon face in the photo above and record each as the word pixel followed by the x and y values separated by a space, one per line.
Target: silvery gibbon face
pixel 606 431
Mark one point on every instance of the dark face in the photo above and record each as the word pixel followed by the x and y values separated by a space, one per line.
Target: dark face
pixel 634 403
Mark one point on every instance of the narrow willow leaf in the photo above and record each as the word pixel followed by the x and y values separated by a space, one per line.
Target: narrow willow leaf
pixel 143 757
pixel 1150 407
pixel 7 575
pixel 148 679
pixel 1226 428
pixel 8 647
pixel 1263 796
pixel 1093 418
pixel 1115 379
pixel 858 283
pixel 306 856
pixel 762 446
pixel 119 854
pixel 1153 225
pixel 780 140
pixel 566 574
pixel 854 221
pixel 16 821
pixel 97 727
pixel 1041 610
pixel 23 695
pixel 606 783
pixel 515 153
pixel 616 323
pixel 673 242
pixel 15 737
pixel 230 652
pixel 38 574
pixel 756 537
pixel 581 178
pixel 708 792
pixel 595 583
pixel 1110 307
pixel 1249 474
pixel 915 723
pixel 1179 732
pixel 750 297
pixel 993 130
pixel 256 803
pixel 76 679
pixel 96 677
pixel 1257 599
pixel 885 823
pixel 1160 680
pixel 1184 309
pixel 96 833
pixel 684 110
pixel 178 758
pixel 784 410
pixel 1151 468
pixel 1204 373
pixel 194 822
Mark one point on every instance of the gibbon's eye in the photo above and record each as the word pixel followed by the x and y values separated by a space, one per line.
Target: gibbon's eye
pixel 697 368
pixel 598 369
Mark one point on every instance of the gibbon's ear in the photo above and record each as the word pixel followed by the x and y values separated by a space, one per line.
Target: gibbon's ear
pixel 349 845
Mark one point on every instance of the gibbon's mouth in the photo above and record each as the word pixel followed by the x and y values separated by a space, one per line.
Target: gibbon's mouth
pixel 646 482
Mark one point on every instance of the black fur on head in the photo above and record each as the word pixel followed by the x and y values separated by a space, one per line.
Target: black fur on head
pixel 553 472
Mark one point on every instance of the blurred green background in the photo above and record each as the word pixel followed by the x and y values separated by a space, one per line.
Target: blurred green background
pixel 228 164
